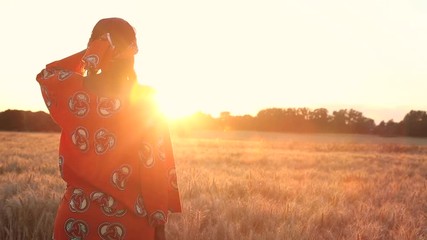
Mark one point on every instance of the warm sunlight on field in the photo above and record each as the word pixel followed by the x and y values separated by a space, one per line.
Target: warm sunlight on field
pixel 243 185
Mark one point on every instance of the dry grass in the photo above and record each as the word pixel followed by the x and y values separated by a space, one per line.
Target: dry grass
pixel 249 186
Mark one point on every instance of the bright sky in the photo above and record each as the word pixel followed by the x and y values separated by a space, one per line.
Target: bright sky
pixel 236 55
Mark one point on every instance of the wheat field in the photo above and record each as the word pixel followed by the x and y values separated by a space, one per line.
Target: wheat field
pixel 242 185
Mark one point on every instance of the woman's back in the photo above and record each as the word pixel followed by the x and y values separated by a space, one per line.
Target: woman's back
pixel 115 151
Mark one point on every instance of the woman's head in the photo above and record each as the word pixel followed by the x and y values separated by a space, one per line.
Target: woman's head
pixel 121 32
pixel 123 37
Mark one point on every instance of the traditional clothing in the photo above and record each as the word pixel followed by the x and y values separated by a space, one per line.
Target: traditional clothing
pixel 115 154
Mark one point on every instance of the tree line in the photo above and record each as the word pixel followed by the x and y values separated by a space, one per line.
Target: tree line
pixel 304 120
pixel 289 120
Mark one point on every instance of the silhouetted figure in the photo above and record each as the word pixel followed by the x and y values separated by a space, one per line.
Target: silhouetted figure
pixel 115 151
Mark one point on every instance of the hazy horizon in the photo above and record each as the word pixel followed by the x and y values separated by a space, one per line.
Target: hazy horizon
pixel 376 117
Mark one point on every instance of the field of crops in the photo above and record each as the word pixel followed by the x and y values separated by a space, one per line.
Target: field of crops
pixel 248 185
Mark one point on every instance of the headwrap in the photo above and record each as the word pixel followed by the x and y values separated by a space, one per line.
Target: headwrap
pixel 112 39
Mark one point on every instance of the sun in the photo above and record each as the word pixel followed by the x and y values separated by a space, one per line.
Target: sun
pixel 163 103
pixel 171 107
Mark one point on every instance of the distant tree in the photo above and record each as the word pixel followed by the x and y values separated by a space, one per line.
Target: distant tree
pixel 203 121
pixel 380 129
pixel 339 121
pixel 245 122
pixel 358 123
pixel 415 123
pixel 319 120
pixel 351 121
pixel 225 120
pixel 392 128
pixel 271 119
pixel 301 120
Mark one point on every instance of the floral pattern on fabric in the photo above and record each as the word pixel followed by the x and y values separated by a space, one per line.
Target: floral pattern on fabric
pixel 146 155
pixel 79 104
pixel 108 106
pixel 79 201
pixel 111 231
pixel 108 204
pixel 120 177
pixel 80 139
pixel 76 229
pixel 139 207
pixel 104 141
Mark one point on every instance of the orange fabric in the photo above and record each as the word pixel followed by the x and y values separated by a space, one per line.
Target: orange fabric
pixel 115 155
pixel 98 54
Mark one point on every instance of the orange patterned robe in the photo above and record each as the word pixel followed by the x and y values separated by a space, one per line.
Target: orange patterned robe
pixel 115 155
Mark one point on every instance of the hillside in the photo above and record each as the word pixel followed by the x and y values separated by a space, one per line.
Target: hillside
pixel 27 121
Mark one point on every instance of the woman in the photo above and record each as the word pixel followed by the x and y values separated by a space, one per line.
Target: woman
pixel 115 152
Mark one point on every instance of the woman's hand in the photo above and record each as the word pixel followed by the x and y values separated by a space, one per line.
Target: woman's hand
pixel 159 233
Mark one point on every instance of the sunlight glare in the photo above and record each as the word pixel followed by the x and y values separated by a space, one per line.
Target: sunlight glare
pixel 171 106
